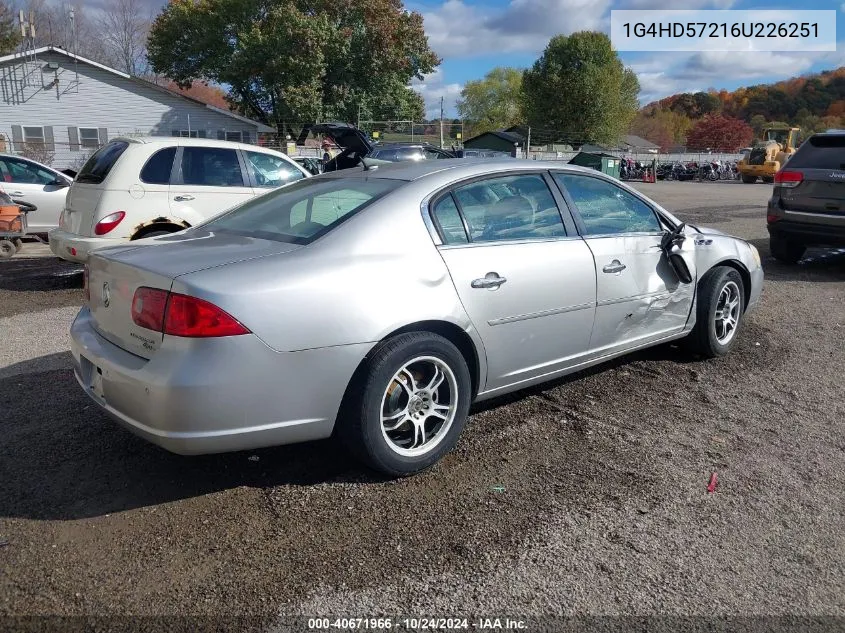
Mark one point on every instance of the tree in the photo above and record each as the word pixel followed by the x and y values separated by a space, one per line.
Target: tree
pixel 125 26
pixel 291 60
pixel 662 127
pixel 493 102
pixel 580 89
pixel 720 134
pixel 53 27
pixel 10 34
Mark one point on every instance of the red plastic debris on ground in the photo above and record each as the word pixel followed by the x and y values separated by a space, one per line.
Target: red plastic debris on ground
pixel 711 487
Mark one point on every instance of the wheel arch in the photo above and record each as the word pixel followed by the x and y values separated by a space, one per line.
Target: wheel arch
pixel 161 223
pixel 743 273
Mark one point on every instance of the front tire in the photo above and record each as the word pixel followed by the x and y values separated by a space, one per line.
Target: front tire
pixel 719 312
pixel 749 180
pixel 7 249
pixel 786 251
pixel 409 405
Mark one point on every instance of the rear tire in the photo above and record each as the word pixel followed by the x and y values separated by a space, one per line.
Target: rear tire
pixel 749 180
pixel 407 405
pixel 786 251
pixel 768 179
pixel 719 312
pixel 18 242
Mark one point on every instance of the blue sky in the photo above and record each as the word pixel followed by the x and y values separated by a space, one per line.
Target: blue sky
pixel 473 36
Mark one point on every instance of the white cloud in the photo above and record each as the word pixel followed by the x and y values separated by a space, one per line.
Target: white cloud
pixel 664 4
pixel 432 88
pixel 456 29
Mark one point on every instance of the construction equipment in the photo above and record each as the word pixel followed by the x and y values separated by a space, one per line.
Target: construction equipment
pixel 769 154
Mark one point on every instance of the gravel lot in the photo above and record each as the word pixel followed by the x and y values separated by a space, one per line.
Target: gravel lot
pixel 583 497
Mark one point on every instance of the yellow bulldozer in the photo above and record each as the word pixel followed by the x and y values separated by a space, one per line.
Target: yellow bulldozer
pixel 769 154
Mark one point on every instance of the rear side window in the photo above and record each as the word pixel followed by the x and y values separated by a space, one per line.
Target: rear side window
pixel 304 210
pixel 158 167
pixel 211 167
pixel 820 152
pixel 449 221
pixel 99 165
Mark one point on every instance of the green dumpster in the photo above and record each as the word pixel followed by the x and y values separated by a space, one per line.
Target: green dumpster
pixel 605 163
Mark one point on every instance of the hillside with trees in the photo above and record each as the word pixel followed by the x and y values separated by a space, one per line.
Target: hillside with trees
pixel 812 102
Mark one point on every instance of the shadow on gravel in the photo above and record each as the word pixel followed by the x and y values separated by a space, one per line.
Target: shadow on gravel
pixel 61 458
pixel 817 265
pixel 39 273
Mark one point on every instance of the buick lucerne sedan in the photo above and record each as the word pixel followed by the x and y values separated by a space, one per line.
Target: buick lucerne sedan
pixel 376 305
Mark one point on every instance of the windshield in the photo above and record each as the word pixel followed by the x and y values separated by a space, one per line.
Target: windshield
pixel 99 165
pixel 302 211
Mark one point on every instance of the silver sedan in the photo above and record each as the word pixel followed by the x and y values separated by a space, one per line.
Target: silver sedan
pixel 378 304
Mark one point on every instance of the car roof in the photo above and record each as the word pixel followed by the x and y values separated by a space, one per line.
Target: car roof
pixel 462 168
pixel 188 141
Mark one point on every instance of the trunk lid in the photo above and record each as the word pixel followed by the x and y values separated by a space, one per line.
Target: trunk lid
pixel 114 274
pixel 345 136
pixel 81 208
pixel 88 186
pixel 821 191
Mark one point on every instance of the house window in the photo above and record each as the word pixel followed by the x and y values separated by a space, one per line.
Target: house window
pixel 189 133
pixel 89 137
pixel 235 136
pixel 33 135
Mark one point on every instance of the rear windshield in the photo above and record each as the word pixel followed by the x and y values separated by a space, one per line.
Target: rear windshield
pixel 302 211
pixel 99 165
pixel 820 152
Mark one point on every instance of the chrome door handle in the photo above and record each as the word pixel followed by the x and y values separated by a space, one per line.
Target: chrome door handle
pixel 614 267
pixel 490 280
pixel 17 194
pixel 184 198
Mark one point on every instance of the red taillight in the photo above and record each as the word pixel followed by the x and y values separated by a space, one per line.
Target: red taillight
pixel 788 179
pixel 85 288
pixel 189 316
pixel 109 222
pixel 772 218
pixel 181 315
pixel 148 306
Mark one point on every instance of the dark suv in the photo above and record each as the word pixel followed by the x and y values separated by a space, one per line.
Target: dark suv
pixel 808 202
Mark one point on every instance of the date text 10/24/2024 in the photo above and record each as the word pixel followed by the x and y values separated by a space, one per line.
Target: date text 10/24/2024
pixel 417 624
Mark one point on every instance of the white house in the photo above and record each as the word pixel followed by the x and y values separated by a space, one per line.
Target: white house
pixel 68 106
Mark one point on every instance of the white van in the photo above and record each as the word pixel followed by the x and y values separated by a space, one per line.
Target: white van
pixel 133 188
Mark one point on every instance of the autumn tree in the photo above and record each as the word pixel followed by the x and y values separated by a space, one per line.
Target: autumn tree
pixel 720 134
pixel 10 35
pixel 493 102
pixel 580 89
pixel 293 61
pixel 662 127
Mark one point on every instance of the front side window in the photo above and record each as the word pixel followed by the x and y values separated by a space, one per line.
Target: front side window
pixel 89 137
pixel 23 172
pixel 510 208
pixel 304 210
pixel 211 167
pixel 607 209
pixel 271 171
pixel 157 169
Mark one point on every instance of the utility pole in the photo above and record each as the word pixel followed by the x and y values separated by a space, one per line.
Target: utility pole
pixel 528 144
pixel 441 122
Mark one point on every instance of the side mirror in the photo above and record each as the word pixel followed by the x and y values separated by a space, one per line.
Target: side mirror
pixel 60 182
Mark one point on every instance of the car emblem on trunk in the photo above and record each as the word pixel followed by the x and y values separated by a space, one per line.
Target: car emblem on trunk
pixel 106 295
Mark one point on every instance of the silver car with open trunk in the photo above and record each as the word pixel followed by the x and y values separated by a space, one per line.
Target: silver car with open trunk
pixel 378 304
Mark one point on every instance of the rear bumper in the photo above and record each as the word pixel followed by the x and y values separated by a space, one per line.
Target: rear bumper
pixel 214 395
pixel 77 248
pixel 809 234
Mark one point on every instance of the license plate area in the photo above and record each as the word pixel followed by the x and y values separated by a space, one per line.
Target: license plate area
pixel 92 377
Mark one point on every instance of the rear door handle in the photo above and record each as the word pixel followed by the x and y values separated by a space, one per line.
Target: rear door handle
pixel 490 280
pixel 184 198
pixel 17 194
pixel 614 267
